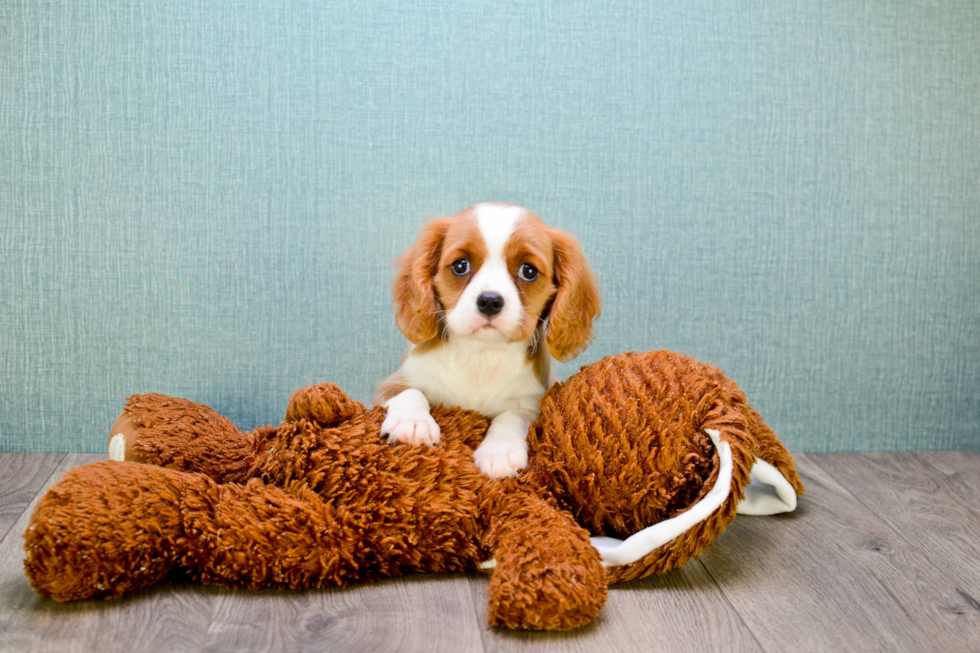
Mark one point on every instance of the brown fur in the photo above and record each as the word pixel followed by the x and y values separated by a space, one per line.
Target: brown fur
pixel 416 304
pixel 577 302
pixel 531 242
pixel 392 386
pixel 462 240
pixel 538 354
pixel 322 500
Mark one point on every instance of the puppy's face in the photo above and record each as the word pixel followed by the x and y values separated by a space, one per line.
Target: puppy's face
pixel 494 272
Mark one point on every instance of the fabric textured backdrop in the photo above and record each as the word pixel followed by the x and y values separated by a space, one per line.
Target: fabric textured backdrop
pixel 204 198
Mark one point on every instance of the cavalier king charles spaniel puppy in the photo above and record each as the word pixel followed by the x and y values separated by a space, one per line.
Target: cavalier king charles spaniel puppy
pixel 486 298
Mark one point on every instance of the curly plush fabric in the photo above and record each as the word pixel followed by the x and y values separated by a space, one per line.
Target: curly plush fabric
pixel 323 500
pixel 318 504
pixel 622 445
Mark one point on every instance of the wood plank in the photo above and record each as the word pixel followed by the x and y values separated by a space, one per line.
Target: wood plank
pixel 414 613
pixel 938 513
pixel 962 464
pixel 21 476
pixel 170 616
pixel 834 576
pixel 679 611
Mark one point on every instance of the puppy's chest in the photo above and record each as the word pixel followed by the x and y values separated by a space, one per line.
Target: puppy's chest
pixel 489 381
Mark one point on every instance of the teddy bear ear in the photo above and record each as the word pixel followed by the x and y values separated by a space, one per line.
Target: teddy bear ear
pixel 324 404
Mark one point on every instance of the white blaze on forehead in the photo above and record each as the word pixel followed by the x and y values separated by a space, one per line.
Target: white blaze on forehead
pixel 497 222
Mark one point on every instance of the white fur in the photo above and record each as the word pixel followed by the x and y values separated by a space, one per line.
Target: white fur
pixel 409 421
pixel 477 368
pixel 495 379
pixel 503 451
pixel 490 378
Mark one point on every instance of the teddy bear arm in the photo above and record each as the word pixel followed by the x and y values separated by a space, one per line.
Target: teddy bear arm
pixel 182 435
pixel 324 404
pixel 547 575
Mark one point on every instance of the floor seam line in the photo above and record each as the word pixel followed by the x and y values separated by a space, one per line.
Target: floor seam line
pixel 476 613
pixel 731 605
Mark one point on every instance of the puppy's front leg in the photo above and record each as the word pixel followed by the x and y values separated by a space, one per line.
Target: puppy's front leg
pixel 503 451
pixel 409 420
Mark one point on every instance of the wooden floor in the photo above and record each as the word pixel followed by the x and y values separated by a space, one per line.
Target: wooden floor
pixel 883 554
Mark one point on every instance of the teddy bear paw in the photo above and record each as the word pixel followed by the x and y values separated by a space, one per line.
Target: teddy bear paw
pixel 117 447
pixel 501 459
pixel 122 436
pixel 411 427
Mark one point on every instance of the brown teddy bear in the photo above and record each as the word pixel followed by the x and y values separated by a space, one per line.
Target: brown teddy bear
pixel 655 448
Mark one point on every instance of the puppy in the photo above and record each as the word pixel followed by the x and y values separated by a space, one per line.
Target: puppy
pixel 486 298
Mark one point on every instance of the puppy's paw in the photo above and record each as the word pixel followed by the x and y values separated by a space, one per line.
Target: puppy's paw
pixel 411 427
pixel 501 458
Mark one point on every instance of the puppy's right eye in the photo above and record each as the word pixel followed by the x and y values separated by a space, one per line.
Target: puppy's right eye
pixel 461 267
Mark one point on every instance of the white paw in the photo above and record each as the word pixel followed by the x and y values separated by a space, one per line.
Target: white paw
pixel 501 458
pixel 411 427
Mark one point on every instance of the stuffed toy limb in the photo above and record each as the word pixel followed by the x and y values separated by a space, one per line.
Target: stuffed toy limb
pixel 306 505
pixel 641 447
pixel 651 453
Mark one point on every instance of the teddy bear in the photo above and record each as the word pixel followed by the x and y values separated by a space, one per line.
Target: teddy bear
pixel 636 463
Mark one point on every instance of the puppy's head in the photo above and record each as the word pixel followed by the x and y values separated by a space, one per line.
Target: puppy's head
pixel 494 272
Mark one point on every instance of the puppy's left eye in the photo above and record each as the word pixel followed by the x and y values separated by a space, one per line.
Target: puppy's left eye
pixel 528 272
pixel 461 267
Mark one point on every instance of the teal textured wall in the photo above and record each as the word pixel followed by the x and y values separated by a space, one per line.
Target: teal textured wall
pixel 204 199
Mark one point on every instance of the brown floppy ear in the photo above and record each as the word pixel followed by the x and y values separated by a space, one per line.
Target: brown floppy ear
pixel 576 303
pixel 416 305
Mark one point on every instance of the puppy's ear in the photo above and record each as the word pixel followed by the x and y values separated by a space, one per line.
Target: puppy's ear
pixel 576 303
pixel 414 294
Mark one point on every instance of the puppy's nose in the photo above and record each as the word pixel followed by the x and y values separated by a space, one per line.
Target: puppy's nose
pixel 489 303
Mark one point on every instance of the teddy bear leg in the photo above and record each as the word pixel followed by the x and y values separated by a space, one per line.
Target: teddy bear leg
pixel 771 450
pixel 113 527
pixel 547 575
pixel 108 528
pixel 182 435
